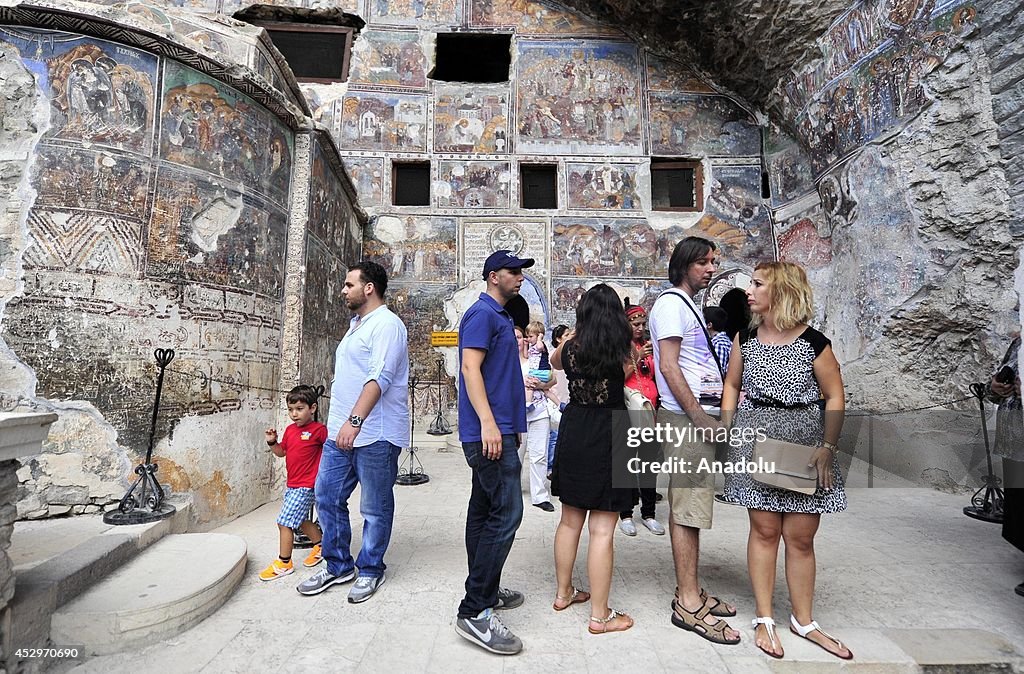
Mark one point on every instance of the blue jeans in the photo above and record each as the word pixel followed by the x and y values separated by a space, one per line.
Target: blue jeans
pixel 495 511
pixel 374 467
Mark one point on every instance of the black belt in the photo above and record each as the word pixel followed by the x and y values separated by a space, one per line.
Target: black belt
pixel 775 404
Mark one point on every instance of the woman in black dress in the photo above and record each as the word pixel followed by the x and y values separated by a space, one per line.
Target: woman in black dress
pixel 594 359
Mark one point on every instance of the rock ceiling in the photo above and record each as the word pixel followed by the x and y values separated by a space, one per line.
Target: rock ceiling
pixel 746 46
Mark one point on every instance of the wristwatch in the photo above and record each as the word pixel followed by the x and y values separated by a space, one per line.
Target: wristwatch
pixel 355 420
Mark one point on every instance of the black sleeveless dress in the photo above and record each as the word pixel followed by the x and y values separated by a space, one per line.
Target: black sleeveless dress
pixel 582 475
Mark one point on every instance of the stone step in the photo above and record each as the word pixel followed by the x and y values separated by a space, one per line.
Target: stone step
pixel 171 586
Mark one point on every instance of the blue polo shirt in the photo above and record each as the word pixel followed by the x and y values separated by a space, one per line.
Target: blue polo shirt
pixel 487 326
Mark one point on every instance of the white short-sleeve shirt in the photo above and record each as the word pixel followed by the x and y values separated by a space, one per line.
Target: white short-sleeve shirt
pixel 671 318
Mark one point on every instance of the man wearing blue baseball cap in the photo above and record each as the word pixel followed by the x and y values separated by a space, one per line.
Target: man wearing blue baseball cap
pixel 492 413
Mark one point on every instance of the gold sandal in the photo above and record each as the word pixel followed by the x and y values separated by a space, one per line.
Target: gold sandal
pixel 604 623
pixel 577 597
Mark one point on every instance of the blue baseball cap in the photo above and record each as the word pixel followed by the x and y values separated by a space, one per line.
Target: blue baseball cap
pixel 505 259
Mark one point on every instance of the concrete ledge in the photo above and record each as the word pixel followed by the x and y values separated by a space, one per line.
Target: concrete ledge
pixel 42 589
pixel 157 595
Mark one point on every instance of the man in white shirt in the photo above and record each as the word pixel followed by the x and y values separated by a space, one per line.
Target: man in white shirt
pixel 367 427
pixel 686 372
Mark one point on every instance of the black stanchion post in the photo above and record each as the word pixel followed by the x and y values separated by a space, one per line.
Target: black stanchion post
pixel 987 508
pixel 411 473
pixel 148 504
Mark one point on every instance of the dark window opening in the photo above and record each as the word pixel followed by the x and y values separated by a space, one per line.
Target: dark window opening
pixel 676 185
pixel 410 184
pixel 472 57
pixel 315 53
pixel 538 185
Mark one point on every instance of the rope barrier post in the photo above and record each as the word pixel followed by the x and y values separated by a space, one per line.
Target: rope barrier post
pixel 987 508
pixel 411 472
pixel 148 504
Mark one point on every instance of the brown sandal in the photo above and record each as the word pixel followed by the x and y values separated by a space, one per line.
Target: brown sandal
pixel 577 597
pixel 694 622
pixel 718 609
pixel 606 623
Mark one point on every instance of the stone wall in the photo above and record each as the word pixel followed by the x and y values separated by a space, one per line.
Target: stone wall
pixel 908 228
pixel 161 221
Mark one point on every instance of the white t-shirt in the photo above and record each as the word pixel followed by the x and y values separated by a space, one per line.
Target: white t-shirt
pixel 670 318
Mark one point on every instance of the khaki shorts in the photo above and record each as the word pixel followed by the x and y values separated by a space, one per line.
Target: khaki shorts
pixel 691 497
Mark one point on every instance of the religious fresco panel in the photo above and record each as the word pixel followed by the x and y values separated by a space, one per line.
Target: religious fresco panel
pixel 413 248
pixel 603 186
pixel 380 121
pixel 367 174
pixel 100 93
pixel 209 126
pixel 578 98
pixel 204 232
pixel 481 237
pixel 324 311
pixel 329 210
pixel 736 217
pixel 533 18
pixel 694 125
pixel 95 180
pixel 567 291
pixel 801 238
pixel 610 247
pixel 470 118
pixel 666 75
pixel 390 58
pixel 869 79
pixel 473 184
pixel 421 308
pixel 415 12
pixel 789 169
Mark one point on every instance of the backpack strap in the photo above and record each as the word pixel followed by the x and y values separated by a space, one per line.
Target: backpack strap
pixel 703 327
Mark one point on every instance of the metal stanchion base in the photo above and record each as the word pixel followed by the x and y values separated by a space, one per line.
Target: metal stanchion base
pixel 983 515
pixel 301 540
pixel 987 508
pixel 139 515
pixel 411 473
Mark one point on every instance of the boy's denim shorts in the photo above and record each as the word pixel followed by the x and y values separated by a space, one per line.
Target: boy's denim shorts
pixel 295 509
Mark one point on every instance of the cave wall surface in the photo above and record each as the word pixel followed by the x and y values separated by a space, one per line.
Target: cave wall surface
pixel 159 217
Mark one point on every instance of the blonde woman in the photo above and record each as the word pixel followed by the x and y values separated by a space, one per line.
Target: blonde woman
pixel 786 368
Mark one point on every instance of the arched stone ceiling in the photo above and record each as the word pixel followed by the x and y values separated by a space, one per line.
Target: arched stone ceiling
pixel 744 45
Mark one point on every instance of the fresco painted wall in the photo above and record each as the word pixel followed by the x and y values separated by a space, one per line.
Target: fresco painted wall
pixel 869 78
pixel 160 222
pixel 333 240
pixel 582 98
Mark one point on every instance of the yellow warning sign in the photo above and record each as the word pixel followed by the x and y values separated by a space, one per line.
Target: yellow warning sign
pixel 444 338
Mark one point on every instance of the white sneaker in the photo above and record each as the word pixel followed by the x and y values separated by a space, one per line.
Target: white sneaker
pixel 654 525
pixel 627 527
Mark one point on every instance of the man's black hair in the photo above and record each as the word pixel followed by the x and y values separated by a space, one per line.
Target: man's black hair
pixel 686 252
pixel 371 272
